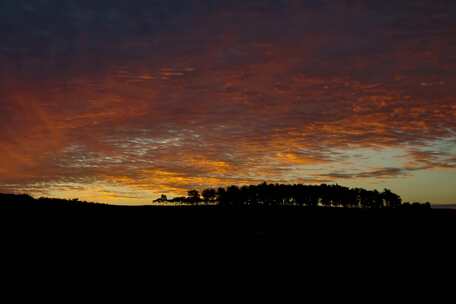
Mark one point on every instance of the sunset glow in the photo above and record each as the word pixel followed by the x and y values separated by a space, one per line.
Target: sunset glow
pixel 121 101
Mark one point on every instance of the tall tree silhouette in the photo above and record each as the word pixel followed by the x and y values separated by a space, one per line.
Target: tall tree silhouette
pixel 194 197
pixel 209 195
pixel 294 195
pixel 392 200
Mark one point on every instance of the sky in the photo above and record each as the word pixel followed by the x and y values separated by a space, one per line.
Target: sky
pixel 121 101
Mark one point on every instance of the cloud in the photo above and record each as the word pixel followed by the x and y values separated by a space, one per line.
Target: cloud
pixel 379 173
pixel 167 96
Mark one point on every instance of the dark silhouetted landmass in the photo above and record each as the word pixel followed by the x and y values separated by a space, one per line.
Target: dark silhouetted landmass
pixel 223 219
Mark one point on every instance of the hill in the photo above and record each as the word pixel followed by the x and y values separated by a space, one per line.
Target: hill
pixel 73 229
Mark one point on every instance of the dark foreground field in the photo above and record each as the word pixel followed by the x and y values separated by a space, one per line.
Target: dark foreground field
pixel 268 243
pixel 147 228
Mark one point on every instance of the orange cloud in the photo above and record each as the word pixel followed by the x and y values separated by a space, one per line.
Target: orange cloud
pixel 220 99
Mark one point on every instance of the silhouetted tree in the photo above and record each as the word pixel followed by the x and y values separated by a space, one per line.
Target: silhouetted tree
pixel 179 200
pixel 325 195
pixel 162 199
pixel 233 196
pixel 377 199
pixel 194 197
pixel 392 200
pixel 209 195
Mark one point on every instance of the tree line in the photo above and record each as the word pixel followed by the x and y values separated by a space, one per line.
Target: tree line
pixel 292 195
